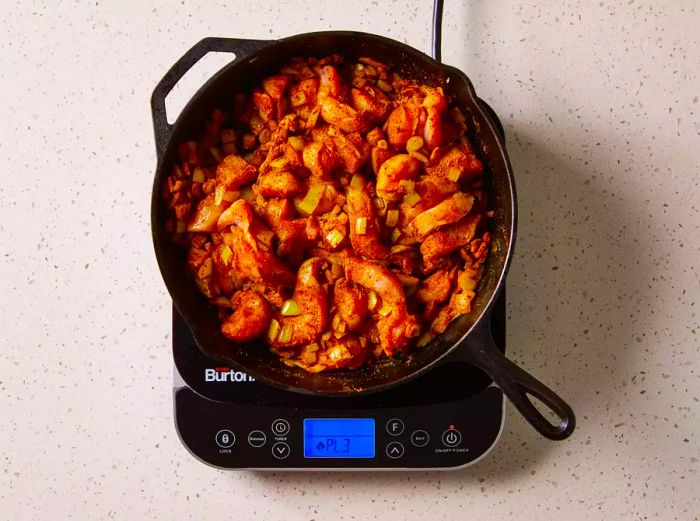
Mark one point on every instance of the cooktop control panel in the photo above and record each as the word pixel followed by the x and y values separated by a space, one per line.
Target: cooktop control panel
pixel 241 436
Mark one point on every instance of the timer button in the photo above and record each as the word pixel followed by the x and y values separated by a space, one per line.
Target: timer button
pixel 280 450
pixel 451 438
pixel 394 426
pixel 420 438
pixel 394 450
pixel 280 427
pixel 225 438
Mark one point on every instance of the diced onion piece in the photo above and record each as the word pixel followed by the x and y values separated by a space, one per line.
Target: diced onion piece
pixel 280 162
pixel 454 174
pixel 309 357
pixel 392 218
pixel 273 330
pixel 310 201
pixel 372 300
pixel 313 118
pixel 384 86
pixel 407 280
pixel 420 157
pixel 248 194
pixel 219 192
pixel 336 270
pixel 226 254
pixel 334 237
pixel 385 310
pixel 408 185
pixel 383 144
pixel 400 248
pixel 216 153
pixel 361 225
pixel 297 143
pixel 231 195
pixel 180 227
pixel 228 135
pixel 424 339
pixel 395 235
pixel 357 181
pixel 290 308
pixel 198 175
pixel 462 200
pixel 285 334
pixel 414 144
pixel 411 199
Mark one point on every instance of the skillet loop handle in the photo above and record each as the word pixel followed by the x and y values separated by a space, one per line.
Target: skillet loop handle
pixel 240 48
pixel 517 384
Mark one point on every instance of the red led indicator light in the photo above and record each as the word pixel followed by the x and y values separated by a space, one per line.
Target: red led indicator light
pixel 452 427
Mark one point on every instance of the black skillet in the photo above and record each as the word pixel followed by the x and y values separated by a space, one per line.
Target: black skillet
pixel 470 333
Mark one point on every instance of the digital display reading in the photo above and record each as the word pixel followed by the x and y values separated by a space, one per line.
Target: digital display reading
pixel 339 438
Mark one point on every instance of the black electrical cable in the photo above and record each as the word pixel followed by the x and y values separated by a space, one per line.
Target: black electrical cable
pixel 437 29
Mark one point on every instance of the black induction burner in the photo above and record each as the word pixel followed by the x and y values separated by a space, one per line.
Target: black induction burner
pixel 445 419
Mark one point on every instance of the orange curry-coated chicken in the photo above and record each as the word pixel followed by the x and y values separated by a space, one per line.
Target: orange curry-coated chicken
pixel 335 212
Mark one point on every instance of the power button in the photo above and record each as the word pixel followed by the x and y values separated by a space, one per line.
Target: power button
pixel 451 438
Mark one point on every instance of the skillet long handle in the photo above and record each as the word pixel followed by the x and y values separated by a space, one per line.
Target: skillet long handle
pixel 240 48
pixel 517 384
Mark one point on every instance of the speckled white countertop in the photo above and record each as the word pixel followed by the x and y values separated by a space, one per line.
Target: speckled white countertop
pixel 600 104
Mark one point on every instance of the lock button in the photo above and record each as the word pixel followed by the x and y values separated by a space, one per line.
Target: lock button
pixel 225 438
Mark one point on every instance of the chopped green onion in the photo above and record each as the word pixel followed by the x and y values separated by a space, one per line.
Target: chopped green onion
pixel 392 218
pixel 290 308
pixel 361 225
pixel 273 330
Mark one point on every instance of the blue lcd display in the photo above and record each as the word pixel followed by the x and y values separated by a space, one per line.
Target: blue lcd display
pixel 339 438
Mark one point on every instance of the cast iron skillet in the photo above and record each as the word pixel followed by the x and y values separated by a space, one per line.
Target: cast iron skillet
pixel 470 333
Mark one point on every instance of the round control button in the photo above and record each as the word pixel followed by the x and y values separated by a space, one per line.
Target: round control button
pixel 420 438
pixel 280 450
pixel 225 438
pixel 451 438
pixel 257 438
pixel 280 427
pixel 394 450
pixel 394 426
